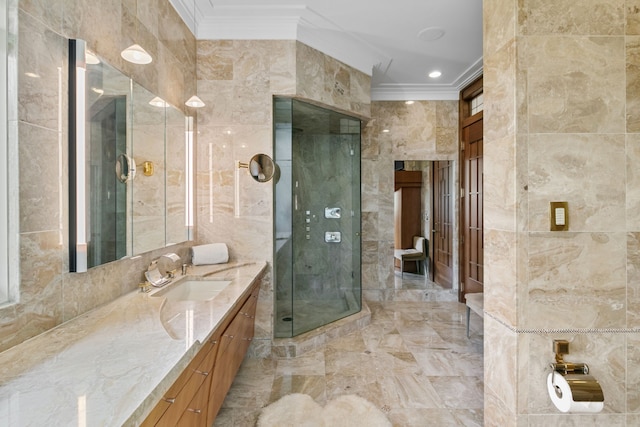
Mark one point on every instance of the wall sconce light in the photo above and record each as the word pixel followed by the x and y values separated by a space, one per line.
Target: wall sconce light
pixel 91 58
pixel 189 172
pixel 77 157
pixel 136 55
pixel 195 102
pixel 158 102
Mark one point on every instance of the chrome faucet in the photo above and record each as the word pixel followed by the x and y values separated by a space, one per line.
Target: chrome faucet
pixel 153 274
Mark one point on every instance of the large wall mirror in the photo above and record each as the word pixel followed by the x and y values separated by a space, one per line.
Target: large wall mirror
pixel 129 162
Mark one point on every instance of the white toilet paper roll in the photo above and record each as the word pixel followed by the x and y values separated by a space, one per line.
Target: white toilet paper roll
pixel 564 401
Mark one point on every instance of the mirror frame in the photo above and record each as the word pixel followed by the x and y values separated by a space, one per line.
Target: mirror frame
pixel 79 145
pixel 261 167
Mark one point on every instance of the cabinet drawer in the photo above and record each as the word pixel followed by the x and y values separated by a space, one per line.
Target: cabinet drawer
pixel 175 400
pixel 181 400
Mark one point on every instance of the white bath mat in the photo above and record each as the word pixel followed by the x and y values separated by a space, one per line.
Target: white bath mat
pixel 300 410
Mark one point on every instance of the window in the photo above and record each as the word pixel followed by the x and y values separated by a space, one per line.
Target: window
pixel 477 104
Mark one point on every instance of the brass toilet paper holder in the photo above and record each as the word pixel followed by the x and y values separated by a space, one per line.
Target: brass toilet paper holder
pixel 584 387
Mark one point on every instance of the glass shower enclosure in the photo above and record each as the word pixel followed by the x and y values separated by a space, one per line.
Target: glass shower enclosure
pixel 317 266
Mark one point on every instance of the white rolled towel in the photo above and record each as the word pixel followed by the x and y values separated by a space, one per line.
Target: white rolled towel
pixel 212 253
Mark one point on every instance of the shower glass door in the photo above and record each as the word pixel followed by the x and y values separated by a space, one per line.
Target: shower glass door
pixel 317 216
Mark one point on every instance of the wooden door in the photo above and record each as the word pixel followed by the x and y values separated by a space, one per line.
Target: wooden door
pixel 442 224
pixel 472 220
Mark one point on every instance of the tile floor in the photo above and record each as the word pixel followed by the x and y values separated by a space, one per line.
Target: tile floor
pixel 413 361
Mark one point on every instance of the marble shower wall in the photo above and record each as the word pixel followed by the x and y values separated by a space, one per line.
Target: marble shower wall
pixel 38 121
pixel 561 90
pixel 425 130
pixel 237 80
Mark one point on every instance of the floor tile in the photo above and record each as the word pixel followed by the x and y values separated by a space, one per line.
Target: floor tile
pixel 414 361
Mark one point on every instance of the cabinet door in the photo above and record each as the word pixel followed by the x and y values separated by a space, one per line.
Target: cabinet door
pixel 234 343
pixel 221 381
pixel 196 413
pixel 182 392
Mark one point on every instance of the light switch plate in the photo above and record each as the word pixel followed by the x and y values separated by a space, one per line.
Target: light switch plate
pixel 559 216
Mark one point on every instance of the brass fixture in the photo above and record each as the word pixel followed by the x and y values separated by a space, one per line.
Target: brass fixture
pixel 560 348
pixel 585 388
pixel 261 167
pixel 147 168
pixel 559 216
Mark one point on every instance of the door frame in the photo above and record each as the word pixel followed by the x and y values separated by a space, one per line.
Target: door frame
pixel 472 90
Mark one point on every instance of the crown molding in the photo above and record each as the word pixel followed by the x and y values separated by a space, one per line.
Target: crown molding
pixel 299 22
pixel 406 92
pixel 427 92
pixel 188 11
pixel 290 22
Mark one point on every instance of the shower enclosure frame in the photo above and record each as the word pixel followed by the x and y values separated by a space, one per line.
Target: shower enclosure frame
pixel 317 216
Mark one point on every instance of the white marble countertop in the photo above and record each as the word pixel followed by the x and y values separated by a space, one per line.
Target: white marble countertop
pixel 111 365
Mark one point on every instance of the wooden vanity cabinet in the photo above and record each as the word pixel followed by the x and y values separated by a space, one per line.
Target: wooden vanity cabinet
pixel 233 346
pixel 198 393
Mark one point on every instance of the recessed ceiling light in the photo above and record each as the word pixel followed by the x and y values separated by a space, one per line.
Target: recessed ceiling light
pixel 33 75
pixel 431 34
pixel 409 102
pixel 435 74
pixel 385 130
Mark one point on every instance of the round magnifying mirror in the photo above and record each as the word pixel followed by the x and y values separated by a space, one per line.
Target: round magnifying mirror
pixel 261 167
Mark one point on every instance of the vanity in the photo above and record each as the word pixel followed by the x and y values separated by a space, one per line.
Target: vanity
pixel 144 359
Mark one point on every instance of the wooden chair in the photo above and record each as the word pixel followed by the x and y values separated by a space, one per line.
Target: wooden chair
pixel 418 253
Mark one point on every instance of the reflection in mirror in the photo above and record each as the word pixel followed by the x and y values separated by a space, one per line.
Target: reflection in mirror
pixel 97 136
pixel 148 197
pixel 125 168
pixel 261 167
pixel 178 171
pixel 112 122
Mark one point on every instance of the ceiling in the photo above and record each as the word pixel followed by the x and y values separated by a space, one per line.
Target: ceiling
pixel 397 42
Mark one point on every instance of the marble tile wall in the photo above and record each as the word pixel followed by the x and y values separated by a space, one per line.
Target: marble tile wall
pixel 425 130
pixel 39 30
pixel 561 116
pixel 237 80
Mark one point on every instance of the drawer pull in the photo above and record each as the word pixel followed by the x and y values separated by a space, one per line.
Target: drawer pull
pixel 214 342
pixel 201 372
pixel 170 399
pixel 195 411
pixel 229 336
pixel 247 339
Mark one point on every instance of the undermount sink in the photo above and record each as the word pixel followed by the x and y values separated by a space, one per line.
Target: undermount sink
pixel 194 290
